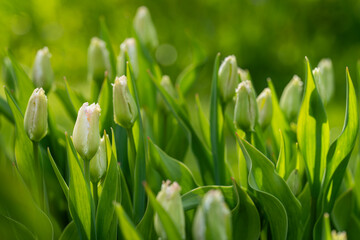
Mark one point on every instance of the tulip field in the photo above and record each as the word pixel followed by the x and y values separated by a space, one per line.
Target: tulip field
pixel 141 161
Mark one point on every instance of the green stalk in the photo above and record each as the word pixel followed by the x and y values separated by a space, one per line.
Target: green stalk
pixel 40 180
pixel 132 152
pixel 87 172
pixel 95 194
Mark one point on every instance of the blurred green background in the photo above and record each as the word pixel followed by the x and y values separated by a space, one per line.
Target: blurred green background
pixel 270 38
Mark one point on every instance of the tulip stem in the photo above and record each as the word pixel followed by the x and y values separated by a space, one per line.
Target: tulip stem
pixel 87 172
pixel 132 153
pixel 40 172
pixel 95 194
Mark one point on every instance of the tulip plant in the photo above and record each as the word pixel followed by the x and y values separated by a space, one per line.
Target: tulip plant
pixel 140 162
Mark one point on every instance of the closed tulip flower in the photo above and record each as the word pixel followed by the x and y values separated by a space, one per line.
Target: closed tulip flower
pixel 98 163
pixel 145 29
pixel 212 220
pixel 35 120
pixel 264 103
pixel 98 60
pixel 246 111
pixel 86 135
pixel 125 109
pixel 170 199
pixel 43 75
pixel 129 47
pixel 228 78
pixel 290 101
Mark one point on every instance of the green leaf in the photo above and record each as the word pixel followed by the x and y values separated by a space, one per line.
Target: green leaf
pixel 342 211
pixel 168 224
pixel 23 83
pixel 5 110
pixel 70 232
pixel 187 77
pixel 106 103
pixel 24 152
pixel 170 168
pixel 61 180
pixel 146 225
pixel 203 122
pixel 281 163
pixel 16 201
pixel 80 200
pixel 106 209
pixel 69 99
pixel 279 122
pixel 12 229
pixel 216 128
pixel 340 151
pixel 199 149
pixel 192 199
pixel 139 200
pixel 313 133
pixel 128 229
pixel 245 217
pixel 106 37
pixel 273 194
pixel 124 193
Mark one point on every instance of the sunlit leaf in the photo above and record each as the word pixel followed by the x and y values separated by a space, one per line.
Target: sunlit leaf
pixel 313 133
pixel 171 169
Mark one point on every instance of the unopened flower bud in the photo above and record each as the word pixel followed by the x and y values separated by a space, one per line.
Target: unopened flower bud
pixel 129 47
pixel 98 163
pixel 43 75
pixel 264 103
pixel 35 120
pixel 244 74
pixel 324 79
pixel 290 101
pixel 145 29
pixel 86 135
pixel 227 78
pixel 338 235
pixel 98 60
pixel 170 89
pixel 170 200
pixel 246 111
pixel 125 109
pixel 212 219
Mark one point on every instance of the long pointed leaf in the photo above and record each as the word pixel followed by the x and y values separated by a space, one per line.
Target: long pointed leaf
pixel 313 133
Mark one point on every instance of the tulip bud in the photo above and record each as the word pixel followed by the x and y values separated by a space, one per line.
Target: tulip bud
pixel 244 74
pixel 129 47
pixel 290 101
pixel 98 60
pixel 35 120
pixel 264 103
pixel 145 29
pixel 246 111
pixel 98 163
pixel 86 135
pixel 212 219
pixel 169 88
pixel 169 198
pixel 294 182
pixel 8 73
pixel 324 79
pixel 338 235
pixel 227 78
pixel 43 75
pixel 125 109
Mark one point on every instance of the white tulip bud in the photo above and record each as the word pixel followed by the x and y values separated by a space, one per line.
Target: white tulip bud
pixel 86 135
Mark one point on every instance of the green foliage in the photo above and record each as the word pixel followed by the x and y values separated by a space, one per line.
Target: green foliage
pixel 282 181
